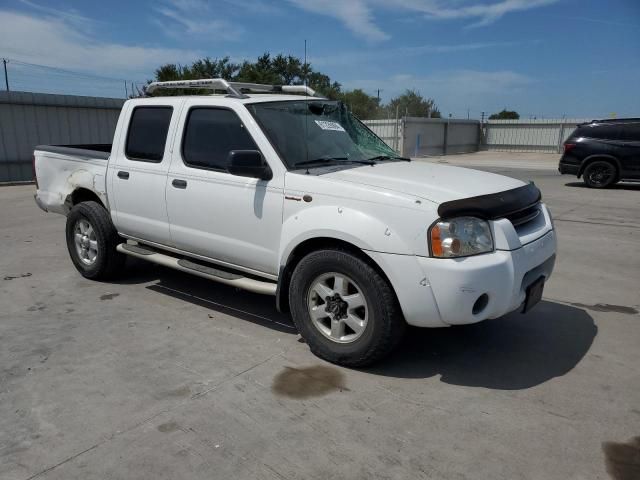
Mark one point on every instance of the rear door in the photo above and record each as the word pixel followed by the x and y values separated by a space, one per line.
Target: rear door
pixel 630 153
pixel 230 219
pixel 138 170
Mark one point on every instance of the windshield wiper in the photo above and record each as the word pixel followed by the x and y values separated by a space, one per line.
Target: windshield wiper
pixel 322 160
pixel 388 157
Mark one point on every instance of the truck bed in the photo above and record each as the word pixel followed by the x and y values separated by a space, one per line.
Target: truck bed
pixel 98 151
pixel 62 170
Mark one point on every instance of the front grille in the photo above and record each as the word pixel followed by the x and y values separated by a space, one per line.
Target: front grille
pixel 524 216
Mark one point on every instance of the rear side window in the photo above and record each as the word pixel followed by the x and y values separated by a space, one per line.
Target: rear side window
pixel 601 131
pixel 210 134
pixel 147 135
pixel 630 132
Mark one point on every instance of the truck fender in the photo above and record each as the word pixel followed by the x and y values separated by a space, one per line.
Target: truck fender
pixel 84 180
pixel 341 223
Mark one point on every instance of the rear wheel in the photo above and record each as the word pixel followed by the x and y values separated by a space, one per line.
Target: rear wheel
pixel 344 309
pixel 600 174
pixel 92 241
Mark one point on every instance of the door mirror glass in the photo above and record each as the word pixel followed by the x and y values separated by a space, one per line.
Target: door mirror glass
pixel 248 163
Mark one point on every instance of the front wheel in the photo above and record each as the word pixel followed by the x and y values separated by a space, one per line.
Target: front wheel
pixel 344 309
pixel 600 174
pixel 92 240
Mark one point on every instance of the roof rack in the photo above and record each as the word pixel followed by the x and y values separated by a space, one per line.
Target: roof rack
pixel 234 89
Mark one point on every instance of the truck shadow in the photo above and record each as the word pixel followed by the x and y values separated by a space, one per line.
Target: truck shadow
pixel 215 297
pixel 509 353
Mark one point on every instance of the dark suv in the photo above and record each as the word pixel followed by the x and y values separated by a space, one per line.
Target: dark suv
pixel 603 152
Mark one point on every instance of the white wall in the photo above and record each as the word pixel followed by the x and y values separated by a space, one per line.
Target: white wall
pixel 529 135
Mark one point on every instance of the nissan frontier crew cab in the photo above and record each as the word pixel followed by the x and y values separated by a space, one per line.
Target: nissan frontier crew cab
pixel 274 190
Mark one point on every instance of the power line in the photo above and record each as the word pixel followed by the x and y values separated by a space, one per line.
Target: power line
pixel 68 72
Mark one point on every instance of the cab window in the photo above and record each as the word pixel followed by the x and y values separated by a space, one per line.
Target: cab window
pixel 210 134
pixel 147 134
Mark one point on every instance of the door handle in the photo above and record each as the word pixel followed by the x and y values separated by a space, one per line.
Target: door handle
pixel 179 183
pixel 123 175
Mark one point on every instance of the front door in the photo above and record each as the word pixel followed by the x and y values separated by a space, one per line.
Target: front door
pixel 231 219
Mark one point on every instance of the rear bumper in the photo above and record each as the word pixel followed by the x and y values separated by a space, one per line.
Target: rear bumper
pixel 568 166
pixel 49 202
pixel 39 202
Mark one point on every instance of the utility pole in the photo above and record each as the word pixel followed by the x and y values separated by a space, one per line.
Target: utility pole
pixel 378 95
pixel 6 77
pixel 482 121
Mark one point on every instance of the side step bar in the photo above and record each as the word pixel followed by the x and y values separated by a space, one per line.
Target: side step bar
pixel 204 271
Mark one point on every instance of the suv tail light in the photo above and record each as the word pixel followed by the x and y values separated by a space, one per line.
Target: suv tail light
pixel 568 147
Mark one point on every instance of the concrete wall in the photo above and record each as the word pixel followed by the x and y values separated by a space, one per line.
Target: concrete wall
pixel 30 119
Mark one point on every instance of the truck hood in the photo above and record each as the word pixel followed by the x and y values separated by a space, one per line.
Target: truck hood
pixel 434 182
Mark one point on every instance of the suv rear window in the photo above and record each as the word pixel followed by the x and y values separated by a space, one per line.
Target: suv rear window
pixel 147 135
pixel 210 134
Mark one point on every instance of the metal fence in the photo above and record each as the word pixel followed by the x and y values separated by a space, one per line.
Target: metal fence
pixel 389 130
pixel 418 137
pixel 439 136
pixel 30 119
pixel 546 135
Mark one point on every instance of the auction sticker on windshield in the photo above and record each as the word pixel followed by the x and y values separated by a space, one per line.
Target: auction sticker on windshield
pixel 326 125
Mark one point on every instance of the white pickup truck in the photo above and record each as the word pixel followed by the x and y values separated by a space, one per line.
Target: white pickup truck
pixel 290 195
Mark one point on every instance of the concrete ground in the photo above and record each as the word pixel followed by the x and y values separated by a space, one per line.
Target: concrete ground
pixel 166 376
pixel 500 160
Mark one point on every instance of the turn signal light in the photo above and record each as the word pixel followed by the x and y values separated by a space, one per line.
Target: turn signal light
pixel 436 241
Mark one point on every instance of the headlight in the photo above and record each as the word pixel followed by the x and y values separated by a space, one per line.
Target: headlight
pixel 460 237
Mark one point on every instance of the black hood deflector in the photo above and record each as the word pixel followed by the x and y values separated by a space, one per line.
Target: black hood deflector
pixel 494 205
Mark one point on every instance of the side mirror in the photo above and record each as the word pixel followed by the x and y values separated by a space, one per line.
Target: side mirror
pixel 248 163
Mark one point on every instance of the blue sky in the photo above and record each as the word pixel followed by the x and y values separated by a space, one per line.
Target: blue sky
pixel 544 58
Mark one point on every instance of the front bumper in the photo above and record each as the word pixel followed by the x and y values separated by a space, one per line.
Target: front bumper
pixel 436 292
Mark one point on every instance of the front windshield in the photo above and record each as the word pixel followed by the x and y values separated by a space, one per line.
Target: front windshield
pixel 318 131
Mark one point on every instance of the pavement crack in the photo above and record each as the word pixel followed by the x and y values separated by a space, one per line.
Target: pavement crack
pixel 226 380
pixel 68 459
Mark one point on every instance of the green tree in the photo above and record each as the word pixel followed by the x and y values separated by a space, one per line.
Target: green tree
pixel 204 68
pixel 505 115
pixel 362 105
pixel 278 70
pixel 412 104
pixel 260 71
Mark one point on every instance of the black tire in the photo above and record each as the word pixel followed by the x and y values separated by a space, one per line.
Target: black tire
pixel 108 261
pixel 385 325
pixel 600 174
